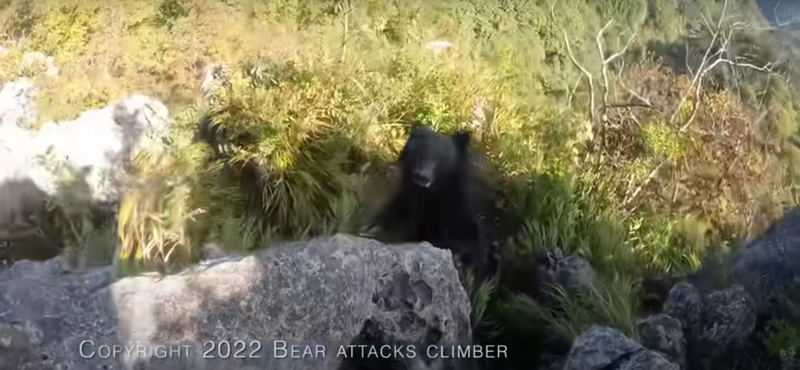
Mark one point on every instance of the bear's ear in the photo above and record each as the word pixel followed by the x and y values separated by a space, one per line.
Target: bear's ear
pixel 416 128
pixel 461 139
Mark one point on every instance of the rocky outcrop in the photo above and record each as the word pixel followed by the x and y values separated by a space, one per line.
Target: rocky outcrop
pixel 715 325
pixel 719 325
pixel 770 264
pixel 604 348
pixel 695 332
pixel 572 273
pixel 215 76
pixel 664 334
pixel 95 147
pixel 37 61
pixel 17 107
pixel 320 295
pixel 117 133
pixel 79 164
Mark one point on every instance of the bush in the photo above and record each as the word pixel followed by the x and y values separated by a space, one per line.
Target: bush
pixel 305 132
pixel 782 341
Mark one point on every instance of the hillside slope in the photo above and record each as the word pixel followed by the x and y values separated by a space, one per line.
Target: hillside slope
pixel 646 148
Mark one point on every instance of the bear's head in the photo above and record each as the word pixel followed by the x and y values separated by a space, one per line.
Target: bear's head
pixel 430 159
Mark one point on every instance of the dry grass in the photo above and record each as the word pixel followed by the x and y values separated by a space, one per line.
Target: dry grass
pixel 309 124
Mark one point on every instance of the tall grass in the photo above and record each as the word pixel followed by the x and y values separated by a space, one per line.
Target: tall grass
pixel 303 129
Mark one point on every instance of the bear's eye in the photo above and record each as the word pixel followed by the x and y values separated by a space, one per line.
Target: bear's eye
pixel 420 157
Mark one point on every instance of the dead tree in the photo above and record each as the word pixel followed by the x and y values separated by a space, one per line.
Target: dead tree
pixel 343 9
pixel 596 114
pixel 717 54
pixel 778 21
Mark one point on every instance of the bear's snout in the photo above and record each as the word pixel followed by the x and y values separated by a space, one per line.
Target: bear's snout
pixel 423 177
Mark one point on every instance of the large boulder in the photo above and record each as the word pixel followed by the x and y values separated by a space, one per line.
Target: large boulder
pixel 96 147
pixel 17 108
pixel 604 348
pixel 216 76
pixel 324 293
pixel 767 267
pixel 82 165
pixel 37 61
pixel 770 264
pixel 716 325
pixel 99 145
pixel 664 334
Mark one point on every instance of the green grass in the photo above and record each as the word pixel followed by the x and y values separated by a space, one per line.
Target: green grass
pixel 326 110
pixel 612 303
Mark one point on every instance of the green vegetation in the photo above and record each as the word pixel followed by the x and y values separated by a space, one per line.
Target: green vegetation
pixel 639 171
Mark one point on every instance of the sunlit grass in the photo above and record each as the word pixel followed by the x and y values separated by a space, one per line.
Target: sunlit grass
pixel 299 125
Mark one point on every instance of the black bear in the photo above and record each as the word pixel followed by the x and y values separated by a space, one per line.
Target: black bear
pixel 440 200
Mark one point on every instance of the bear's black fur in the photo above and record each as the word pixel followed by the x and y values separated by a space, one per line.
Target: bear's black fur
pixel 441 200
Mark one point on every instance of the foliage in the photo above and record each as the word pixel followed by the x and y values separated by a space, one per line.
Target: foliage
pixel 303 134
pixel 159 215
pixel 612 303
pixel 781 337
pixel 575 216
pixel 481 295
pixel 659 140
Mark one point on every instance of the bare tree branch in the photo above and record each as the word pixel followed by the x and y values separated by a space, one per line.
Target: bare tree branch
pixel 607 61
pixel 633 93
pixel 599 42
pixel 574 89
pixel 585 73
pixel 686 59
pixel 701 70
pixel 716 54
pixel 577 64
pixel 778 18
pixel 644 183
pixel 344 8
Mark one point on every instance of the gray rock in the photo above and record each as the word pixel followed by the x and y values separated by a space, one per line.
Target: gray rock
pixel 733 312
pixel 569 272
pixel 685 304
pixel 599 347
pixel 574 272
pixel 18 193
pixel 39 61
pixel 647 360
pixel 439 45
pixel 770 264
pixel 81 165
pixel 320 293
pixel 95 145
pixel 117 133
pixel 664 334
pixel 715 325
pixel 216 76
pixel 729 318
pixel 93 151
pixel 604 348
pixel 17 108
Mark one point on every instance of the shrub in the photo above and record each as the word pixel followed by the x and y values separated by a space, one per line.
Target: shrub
pixel 782 341
pixel 634 193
